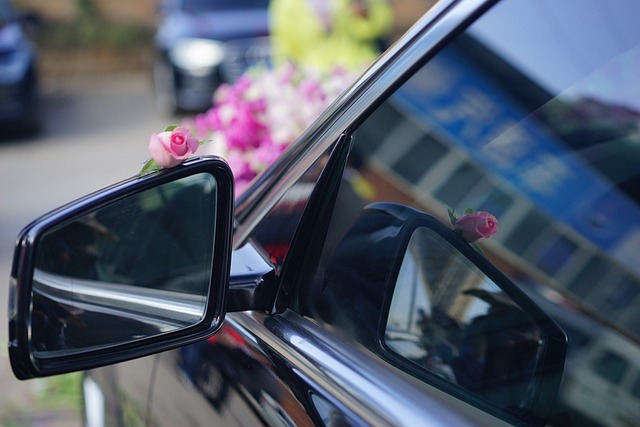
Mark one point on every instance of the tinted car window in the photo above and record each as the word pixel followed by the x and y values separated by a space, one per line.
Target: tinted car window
pixel 531 114
pixel 275 233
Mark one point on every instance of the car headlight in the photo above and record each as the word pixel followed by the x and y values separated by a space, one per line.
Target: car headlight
pixel 196 54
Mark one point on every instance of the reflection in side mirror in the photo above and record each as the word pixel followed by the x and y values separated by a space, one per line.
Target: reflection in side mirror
pixel 138 268
pixel 133 269
pixel 456 321
pixel 451 320
pixel 405 286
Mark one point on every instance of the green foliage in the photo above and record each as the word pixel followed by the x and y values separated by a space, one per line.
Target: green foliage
pixel 132 413
pixel 60 392
pixel 149 166
pixel 452 216
pixel 90 31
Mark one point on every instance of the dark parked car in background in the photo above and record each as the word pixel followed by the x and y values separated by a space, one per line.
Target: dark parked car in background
pixel 200 44
pixel 19 96
pixel 333 290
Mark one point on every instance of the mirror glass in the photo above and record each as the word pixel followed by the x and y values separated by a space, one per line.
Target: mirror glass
pixel 132 269
pixel 448 319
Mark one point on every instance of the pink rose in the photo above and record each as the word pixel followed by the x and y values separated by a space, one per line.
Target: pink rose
pixel 170 148
pixel 476 226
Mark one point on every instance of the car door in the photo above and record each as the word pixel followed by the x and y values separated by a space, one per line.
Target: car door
pixel 356 295
pixel 468 129
pixel 504 119
pixel 279 368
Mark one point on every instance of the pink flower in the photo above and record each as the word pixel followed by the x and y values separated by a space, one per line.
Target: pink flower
pixel 259 115
pixel 268 153
pixel 476 226
pixel 170 148
pixel 244 131
pixel 311 90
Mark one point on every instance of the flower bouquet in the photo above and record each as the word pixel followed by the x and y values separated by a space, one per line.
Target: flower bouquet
pixel 253 120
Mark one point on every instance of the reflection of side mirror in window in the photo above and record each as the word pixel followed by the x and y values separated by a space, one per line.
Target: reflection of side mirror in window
pixel 430 304
pixel 137 268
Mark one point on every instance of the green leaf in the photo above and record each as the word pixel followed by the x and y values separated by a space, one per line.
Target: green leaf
pixel 149 166
pixel 452 216
pixel 170 128
pixel 477 248
pixel 468 211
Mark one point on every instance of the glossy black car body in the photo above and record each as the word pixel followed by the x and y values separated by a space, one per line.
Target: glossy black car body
pixel 332 317
pixel 19 96
pixel 202 44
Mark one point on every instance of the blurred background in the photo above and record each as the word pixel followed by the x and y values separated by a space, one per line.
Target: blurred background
pixel 83 84
pixel 76 111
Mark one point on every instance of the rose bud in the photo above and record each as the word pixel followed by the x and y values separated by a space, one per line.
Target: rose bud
pixel 476 226
pixel 170 148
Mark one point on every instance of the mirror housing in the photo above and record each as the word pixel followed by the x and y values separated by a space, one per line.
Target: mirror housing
pixel 430 304
pixel 82 267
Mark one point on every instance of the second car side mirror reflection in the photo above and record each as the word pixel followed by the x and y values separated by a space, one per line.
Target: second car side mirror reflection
pixel 410 289
pixel 141 261
pixel 449 320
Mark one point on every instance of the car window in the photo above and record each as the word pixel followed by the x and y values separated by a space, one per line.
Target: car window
pixel 274 234
pixel 532 114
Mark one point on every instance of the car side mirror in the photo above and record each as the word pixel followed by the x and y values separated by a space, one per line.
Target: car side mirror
pixel 134 269
pixel 430 304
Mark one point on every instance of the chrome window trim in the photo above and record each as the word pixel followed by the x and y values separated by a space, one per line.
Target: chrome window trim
pixel 366 386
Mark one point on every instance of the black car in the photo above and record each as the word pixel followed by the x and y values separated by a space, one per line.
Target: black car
pixel 339 288
pixel 200 44
pixel 19 94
